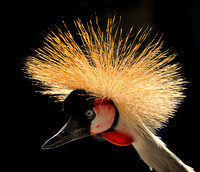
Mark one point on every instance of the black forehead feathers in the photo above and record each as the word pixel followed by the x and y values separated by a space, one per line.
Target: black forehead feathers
pixel 77 102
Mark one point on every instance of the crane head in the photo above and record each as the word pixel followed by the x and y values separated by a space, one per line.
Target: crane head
pixel 89 116
pixel 122 89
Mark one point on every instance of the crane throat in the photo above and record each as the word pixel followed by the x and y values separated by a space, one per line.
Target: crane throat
pixel 117 138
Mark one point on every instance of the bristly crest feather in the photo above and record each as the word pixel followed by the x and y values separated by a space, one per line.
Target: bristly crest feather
pixel 144 86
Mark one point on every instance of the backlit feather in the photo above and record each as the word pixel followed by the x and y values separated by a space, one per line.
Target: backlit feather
pixel 143 83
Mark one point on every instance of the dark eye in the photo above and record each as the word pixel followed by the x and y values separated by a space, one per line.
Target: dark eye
pixel 90 114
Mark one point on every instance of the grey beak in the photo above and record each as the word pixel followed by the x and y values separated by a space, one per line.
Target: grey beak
pixel 71 131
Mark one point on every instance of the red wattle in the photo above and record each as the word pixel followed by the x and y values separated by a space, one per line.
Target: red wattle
pixel 117 138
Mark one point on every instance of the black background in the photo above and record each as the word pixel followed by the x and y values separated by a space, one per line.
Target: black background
pixel 37 117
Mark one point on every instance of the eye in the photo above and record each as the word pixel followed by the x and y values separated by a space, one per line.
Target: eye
pixel 90 114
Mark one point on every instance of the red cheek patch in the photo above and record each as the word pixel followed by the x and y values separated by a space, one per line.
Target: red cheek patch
pixel 105 116
pixel 101 101
pixel 118 138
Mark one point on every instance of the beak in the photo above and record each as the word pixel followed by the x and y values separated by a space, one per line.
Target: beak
pixel 71 131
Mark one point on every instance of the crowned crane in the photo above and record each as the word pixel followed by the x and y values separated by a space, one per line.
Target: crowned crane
pixel 120 89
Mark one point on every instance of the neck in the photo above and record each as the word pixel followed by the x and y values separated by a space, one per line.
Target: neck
pixel 156 155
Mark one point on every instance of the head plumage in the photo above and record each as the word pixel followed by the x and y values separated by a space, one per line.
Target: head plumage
pixel 142 82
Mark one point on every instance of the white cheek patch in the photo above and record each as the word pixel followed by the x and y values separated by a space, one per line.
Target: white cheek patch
pixel 105 116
